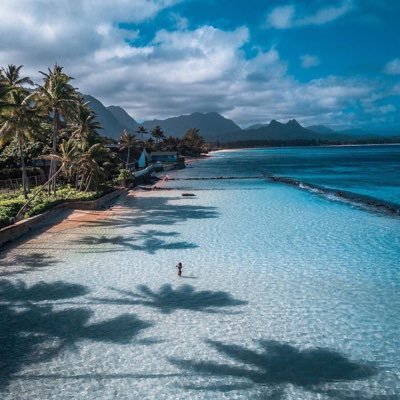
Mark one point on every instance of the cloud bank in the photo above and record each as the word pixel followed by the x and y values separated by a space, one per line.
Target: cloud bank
pixel 179 70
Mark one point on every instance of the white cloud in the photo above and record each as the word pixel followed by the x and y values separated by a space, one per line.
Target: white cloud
pixel 392 67
pixel 34 31
pixel 181 23
pixel 308 61
pixel 283 17
pixel 175 72
pixel 327 14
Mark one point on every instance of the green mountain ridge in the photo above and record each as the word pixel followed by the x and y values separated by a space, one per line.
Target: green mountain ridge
pixel 216 128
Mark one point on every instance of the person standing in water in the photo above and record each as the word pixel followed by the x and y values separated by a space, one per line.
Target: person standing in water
pixel 179 267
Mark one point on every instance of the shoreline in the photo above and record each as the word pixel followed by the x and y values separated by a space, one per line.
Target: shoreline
pixel 295 147
pixel 63 221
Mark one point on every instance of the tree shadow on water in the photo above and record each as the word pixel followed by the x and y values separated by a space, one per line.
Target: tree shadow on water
pixel 19 292
pixel 167 299
pixel 23 263
pixel 32 332
pixel 157 211
pixel 147 241
pixel 280 364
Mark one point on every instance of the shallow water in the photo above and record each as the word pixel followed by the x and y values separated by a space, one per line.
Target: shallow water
pixel 284 295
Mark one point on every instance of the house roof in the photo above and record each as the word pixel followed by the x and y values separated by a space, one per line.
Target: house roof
pixel 164 153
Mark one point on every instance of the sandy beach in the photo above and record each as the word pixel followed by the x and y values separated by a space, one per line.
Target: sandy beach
pixel 63 224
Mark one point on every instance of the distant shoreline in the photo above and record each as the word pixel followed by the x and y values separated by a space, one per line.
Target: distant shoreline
pixel 230 149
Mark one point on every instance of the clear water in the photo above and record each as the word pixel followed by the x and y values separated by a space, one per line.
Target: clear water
pixel 284 295
pixel 367 170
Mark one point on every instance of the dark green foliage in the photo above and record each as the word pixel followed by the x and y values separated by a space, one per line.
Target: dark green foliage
pixel 158 135
pixel 10 158
pixel 11 203
pixel 15 173
pixel 192 143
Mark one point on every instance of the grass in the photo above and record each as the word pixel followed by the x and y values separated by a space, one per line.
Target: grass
pixel 11 203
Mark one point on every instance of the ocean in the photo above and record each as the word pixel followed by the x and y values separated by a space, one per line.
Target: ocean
pixel 359 173
pixel 290 286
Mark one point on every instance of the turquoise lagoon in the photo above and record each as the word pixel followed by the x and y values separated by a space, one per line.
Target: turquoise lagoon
pixel 286 293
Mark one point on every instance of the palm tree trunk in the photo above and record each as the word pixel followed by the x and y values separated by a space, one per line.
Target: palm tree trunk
pixel 39 191
pixel 81 184
pixel 89 182
pixel 76 181
pixel 23 168
pixel 52 183
pixel 127 159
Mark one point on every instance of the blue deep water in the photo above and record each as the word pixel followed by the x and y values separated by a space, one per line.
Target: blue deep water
pixel 286 293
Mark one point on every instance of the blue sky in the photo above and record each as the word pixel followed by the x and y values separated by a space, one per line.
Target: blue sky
pixel 322 62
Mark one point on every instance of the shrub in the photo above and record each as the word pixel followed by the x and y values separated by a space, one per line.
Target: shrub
pixel 11 203
pixel 8 210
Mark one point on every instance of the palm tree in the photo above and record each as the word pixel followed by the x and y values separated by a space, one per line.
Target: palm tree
pixel 3 93
pixel 127 141
pixel 18 113
pixel 192 143
pixel 10 76
pixel 84 124
pixel 158 134
pixel 150 144
pixel 59 98
pixel 171 143
pixel 93 165
pixel 68 160
pixel 142 131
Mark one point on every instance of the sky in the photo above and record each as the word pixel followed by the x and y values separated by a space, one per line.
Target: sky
pixel 330 62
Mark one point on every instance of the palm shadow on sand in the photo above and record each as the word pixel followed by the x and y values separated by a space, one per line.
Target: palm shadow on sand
pixel 167 299
pixel 33 331
pixel 277 365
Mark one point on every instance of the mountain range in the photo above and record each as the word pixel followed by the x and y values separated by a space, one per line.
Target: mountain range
pixel 216 128
pixel 115 119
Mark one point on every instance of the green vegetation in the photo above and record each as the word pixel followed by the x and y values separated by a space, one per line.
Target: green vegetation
pixel 50 131
pixel 158 135
pixel 47 130
pixel 125 177
pixel 128 141
pixel 11 203
pixel 191 144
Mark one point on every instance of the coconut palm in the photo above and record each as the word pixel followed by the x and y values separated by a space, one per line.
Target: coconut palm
pixel 142 131
pixel 68 160
pixel 158 134
pixel 149 144
pixel 85 126
pixel 192 143
pixel 18 113
pixel 126 142
pixel 93 165
pixel 10 77
pixel 4 104
pixel 59 98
